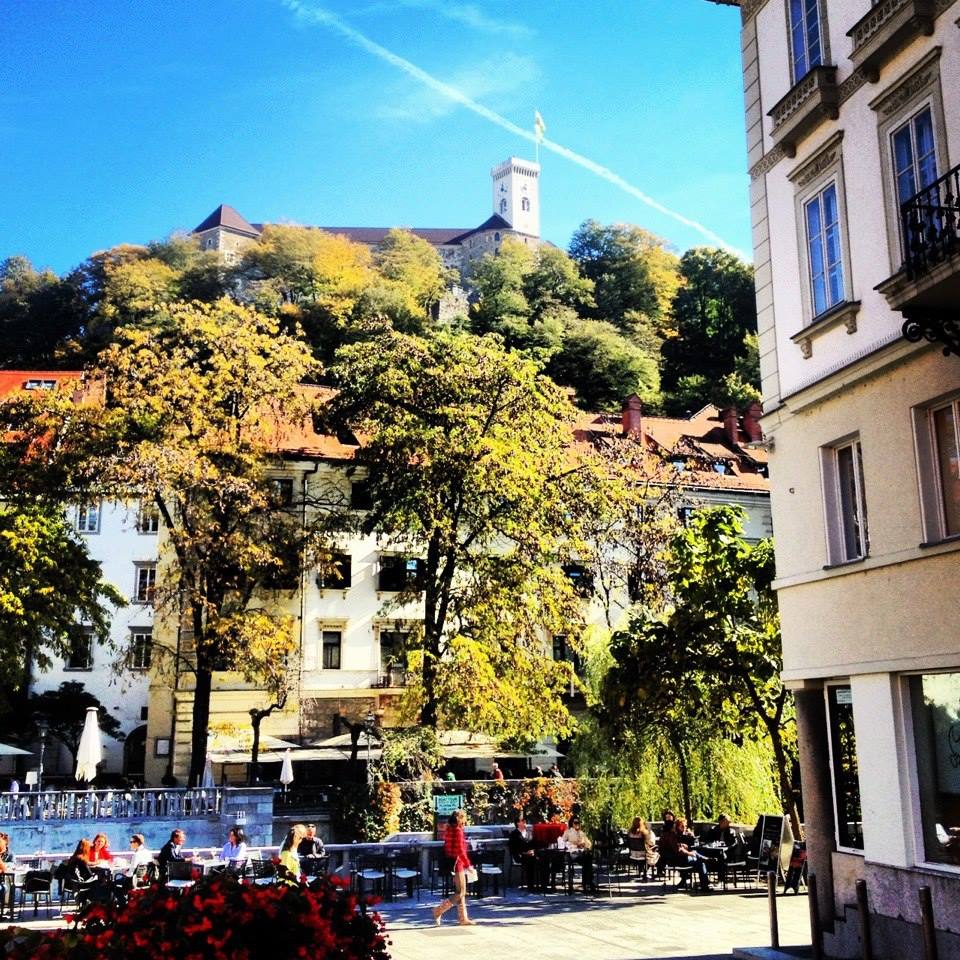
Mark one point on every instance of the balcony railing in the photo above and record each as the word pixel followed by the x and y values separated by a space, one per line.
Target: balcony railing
pixel 886 29
pixel 931 225
pixel 117 804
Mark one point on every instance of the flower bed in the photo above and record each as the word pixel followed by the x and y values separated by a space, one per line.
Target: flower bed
pixel 218 919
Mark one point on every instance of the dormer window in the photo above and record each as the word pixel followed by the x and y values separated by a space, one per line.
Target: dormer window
pixel 39 384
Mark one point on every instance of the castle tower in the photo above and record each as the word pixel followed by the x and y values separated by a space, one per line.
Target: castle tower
pixel 516 194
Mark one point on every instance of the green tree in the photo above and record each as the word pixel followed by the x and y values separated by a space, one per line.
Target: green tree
pixel 470 472
pixel 414 268
pixel 634 274
pixel 711 660
pixel 713 312
pixel 64 711
pixel 602 366
pixel 48 585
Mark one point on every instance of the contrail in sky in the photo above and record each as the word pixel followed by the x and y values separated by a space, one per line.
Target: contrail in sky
pixel 326 18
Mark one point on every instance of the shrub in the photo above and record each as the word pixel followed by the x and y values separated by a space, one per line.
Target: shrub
pixel 218 919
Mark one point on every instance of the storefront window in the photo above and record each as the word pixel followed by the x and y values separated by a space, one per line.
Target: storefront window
pixel 935 700
pixel 846 776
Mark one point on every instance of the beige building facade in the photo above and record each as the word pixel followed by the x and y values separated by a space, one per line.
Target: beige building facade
pixel 853 138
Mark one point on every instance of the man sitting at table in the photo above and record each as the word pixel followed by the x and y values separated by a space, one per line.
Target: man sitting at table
pixel 171 850
pixel 677 854
pixel 311 845
pixel 722 832
pixel 522 852
pixel 579 847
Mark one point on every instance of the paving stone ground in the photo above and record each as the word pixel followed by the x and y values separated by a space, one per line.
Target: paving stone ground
pixel 642 924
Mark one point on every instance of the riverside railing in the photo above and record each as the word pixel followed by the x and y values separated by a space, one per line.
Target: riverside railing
pixel 175 803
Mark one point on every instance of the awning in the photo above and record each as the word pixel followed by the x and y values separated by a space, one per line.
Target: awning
pixel 6 750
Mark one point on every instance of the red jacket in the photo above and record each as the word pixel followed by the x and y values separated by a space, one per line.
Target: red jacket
pixel 455 847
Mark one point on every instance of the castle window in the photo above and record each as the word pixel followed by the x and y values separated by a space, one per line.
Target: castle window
pixel 496 236
pixel 503 205
pixel 525 204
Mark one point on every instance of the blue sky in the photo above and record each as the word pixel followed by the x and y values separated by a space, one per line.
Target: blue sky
pixel 122 122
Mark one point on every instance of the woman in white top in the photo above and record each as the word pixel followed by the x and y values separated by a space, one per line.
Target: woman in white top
pixel 236 846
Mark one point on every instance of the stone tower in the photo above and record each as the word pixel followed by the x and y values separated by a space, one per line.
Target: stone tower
pixel 516 194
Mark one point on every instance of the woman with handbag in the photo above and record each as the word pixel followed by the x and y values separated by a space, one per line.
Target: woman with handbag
pixel 455 849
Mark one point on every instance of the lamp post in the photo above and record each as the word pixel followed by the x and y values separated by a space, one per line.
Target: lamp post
pixel 368 727
pixel 42 728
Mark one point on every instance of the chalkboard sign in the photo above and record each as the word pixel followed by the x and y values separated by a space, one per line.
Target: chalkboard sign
pixel 775 843
pixel 447 803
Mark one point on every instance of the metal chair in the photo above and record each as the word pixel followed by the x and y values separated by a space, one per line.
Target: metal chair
pixel 36 884
pixel 372 870
pixel 406 869
pixel 179 875
pixel 490 866
pixel 262 872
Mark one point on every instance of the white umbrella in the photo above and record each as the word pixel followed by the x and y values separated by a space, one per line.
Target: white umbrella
pixel 90 752
pixel 206 781
pixel 286 771
pixel 8 751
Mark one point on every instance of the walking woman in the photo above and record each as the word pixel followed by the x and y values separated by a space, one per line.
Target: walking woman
pixel 455 849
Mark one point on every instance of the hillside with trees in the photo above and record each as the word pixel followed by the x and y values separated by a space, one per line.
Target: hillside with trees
pixel 618 313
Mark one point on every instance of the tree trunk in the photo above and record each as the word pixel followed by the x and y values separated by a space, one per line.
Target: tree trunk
pixel 201 720
pixel 677 745
pixel 256 716
pixel 783 778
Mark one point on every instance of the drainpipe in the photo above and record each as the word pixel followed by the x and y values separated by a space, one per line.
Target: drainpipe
pixel 303 591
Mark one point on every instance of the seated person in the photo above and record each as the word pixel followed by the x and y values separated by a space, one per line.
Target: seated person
pixel 677 853
pixel 579 846
pixel 236 846
pixel 642 842
pixel 171 850
pixel 311 845
pixel 82 879
pixel 722 832
pixel 522 852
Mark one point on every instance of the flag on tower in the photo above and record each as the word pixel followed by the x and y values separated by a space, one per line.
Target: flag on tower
pixel 539 127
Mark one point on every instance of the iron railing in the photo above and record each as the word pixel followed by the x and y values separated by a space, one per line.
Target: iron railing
pixel 117 804
pixel 931 224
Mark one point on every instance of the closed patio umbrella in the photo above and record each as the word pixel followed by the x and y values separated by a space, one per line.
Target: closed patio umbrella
pixel 286 771
pixel 206 781
pixel 90 752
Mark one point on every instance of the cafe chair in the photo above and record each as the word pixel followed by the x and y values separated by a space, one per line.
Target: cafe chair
pixel 370 870
pixel 313 867
pixel 490 867
pixel 406 870
pixel 179 875
pixel 637 845
pixel 262 872
pixel 735 868
pixel 37 884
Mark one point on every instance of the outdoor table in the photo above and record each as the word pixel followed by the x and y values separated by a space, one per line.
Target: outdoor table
pixel 209 865
pixel 550 862
pixel 716 856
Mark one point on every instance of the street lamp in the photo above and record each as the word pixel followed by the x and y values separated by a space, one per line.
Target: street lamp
pixel 368 727
pixel 42 728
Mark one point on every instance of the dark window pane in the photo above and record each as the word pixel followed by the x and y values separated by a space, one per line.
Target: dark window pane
pixel 846 777
pixel 331 649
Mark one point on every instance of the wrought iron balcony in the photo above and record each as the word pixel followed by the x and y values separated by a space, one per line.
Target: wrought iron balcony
pixel 931 225
pixel 810 101
pixel 886 28
pixel 927 290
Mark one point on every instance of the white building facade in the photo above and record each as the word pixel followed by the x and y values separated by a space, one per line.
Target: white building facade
pixel 853 136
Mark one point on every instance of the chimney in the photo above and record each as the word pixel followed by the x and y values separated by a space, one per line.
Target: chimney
pixel 751 422
pixel 729 418
pixel 632 417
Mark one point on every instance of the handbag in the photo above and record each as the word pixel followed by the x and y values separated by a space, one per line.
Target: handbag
pixel 471 873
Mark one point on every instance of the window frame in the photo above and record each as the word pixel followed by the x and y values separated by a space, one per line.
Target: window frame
pixel 148 510
pixel 140 663
pixel 83 511
pixel 87 635
pixel 811 179
pixel 823 39
pixel 828 705
pixel 324 630
pixel 145 597
pixel 929 478
pixel 915 813
pixel 336 560
pixel 413 584
pixel 898 104
pixel 834 524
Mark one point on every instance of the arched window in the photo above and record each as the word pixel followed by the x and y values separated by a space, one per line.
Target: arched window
pixel 525 204
pixel 496 236
pixel 503 205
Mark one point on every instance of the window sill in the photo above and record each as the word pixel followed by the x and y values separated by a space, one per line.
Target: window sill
pixel 845 313
pixel 845 563
pixel 943 541
pixel 78 669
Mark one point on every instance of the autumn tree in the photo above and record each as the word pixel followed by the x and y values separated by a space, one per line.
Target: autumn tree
pixel 470 472
pixel 196 410
pixel 411 268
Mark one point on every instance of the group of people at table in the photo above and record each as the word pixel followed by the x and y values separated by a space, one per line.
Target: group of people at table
pixel 93 871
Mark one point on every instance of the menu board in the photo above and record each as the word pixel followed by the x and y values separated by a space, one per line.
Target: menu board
pixel 775 843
